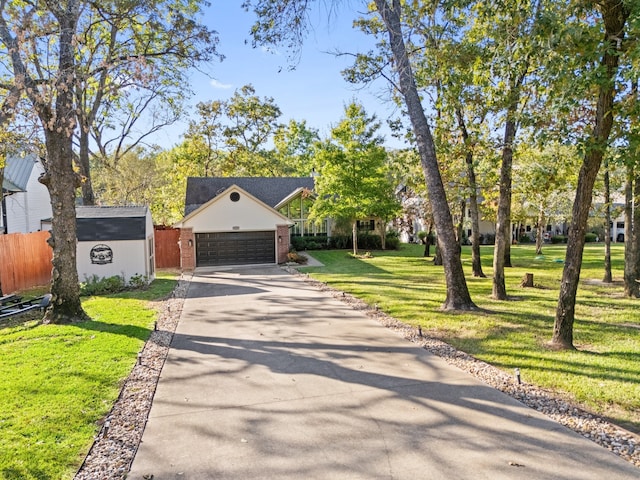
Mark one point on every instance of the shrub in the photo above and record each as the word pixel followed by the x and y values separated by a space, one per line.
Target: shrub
pixel 296 257
pixel 309 243
pixel 558 239
pixel 392 243
pixel 487 238
pixel 95 285
pixel 341 242
pixel 138 281
pixel 367 241
pixel 590 237
pixel 525 239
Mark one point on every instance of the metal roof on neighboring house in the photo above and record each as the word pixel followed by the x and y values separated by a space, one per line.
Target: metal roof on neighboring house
pixel 17 171
pixel 269 190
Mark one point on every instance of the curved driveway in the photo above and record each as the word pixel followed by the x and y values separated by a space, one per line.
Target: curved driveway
pixel 269 378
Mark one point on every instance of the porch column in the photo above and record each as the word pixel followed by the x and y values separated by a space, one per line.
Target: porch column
pixel 187 249
pixel 282 243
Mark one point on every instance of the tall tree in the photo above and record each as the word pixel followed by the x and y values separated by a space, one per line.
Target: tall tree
pixel 293 147
pixel 47 79
pixel 614 15
pixel 42 47
pixel 441 57
pixel 628 134
pixel 353 183
pixel 131 67
pixel 508 33
pixel 608 277
pixel 285 23
pixel 458 297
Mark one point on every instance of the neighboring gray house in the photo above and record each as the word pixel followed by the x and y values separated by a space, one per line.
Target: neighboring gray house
pixel 25 206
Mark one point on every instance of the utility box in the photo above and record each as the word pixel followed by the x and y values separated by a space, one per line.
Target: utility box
pixel 115 241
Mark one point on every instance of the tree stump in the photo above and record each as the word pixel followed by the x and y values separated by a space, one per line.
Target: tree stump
pixel 527 280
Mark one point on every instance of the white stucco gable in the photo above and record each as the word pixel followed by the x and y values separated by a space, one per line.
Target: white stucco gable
pixel 233 210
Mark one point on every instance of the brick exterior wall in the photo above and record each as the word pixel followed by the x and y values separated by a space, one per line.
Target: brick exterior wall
pixel 187 249
pixel 283 242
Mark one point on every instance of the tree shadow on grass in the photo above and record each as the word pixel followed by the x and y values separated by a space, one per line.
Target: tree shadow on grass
pixel 141 333
pixel 27 320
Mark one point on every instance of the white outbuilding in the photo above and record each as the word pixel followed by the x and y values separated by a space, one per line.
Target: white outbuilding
pixel 115 241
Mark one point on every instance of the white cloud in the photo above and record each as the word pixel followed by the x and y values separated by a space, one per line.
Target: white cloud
pixel 217 84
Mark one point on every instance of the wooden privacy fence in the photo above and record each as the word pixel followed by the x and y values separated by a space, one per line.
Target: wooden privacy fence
pixel 167 249
pixel 25 260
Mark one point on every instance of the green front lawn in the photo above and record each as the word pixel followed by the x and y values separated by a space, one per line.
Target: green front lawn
pixel 603 374
pixel 58 381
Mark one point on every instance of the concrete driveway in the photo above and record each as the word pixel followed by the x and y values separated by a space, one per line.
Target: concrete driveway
pixel 269 378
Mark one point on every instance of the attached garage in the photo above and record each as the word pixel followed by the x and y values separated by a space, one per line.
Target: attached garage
pixel 235 248
pixel 233 228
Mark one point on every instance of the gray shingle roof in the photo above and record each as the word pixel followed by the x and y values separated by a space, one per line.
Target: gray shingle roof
pixel 270 190
pixel 110 212
pixel 94 223
pixel 17 171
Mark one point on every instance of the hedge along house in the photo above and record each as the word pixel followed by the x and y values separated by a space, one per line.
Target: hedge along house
pixel 243 220
pixel 115 241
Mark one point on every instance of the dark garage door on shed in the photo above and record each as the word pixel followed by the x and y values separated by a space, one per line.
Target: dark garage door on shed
pixel 235 248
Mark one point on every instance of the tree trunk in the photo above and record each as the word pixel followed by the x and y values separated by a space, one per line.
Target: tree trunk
pixel 608 278
pixel 460 226
pixel 476 263
pixel 88 197
pixel 354 234
pixel 527 281
pixel 631 236
pixel 458 297
pixel 503 224
pixel 540 230
pixel 383 234
pixel 614 15
pixel 1 212
pixel 508 242
pixel 635 238
pixel 61 180
pixel 437 254
pixel 429 240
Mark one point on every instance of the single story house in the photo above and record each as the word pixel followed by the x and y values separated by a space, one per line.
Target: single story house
pixel 244 220
pixel 25 206
pixel 249 220
pixel 115 241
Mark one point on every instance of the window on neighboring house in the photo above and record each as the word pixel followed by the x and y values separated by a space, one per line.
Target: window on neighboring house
pixel 366 225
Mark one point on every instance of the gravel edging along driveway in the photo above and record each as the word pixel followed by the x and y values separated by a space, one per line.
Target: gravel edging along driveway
pixel 115 446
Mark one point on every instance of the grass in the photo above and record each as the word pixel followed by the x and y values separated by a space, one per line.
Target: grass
pixel 58 381
pixel 602 375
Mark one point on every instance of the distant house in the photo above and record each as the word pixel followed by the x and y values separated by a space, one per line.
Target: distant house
pixel 26 206
pixel 115 241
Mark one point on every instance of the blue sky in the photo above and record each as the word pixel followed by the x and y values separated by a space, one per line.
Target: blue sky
pixel 315 91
